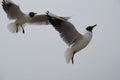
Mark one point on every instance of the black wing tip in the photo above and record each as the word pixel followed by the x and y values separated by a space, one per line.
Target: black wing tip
pixel 6 3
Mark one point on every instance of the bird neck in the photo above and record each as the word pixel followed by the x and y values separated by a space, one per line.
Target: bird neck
pixel 88 35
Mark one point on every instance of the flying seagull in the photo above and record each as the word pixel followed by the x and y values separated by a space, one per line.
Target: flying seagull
pixel 14 13
pixel 75 40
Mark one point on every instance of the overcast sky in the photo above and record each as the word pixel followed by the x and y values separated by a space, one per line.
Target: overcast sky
pixel 39 53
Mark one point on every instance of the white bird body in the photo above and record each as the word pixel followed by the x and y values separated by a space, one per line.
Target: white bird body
pixel 78 45
pixel 23 19
pixel 75 40
pixel 19 23
pixel 82 43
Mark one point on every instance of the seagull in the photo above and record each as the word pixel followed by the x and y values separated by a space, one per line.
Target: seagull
pixel 75 40
pixel 14 13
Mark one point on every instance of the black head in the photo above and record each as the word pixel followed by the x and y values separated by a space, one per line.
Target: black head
pixel 32 14
pixel 90 28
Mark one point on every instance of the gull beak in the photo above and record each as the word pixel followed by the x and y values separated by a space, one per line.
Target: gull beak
pixel 94 25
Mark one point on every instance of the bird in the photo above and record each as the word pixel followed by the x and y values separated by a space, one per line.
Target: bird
pixel 75 40
pixel 14 12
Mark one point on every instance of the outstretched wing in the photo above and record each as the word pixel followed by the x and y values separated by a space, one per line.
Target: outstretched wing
pixel 66 29
pixel 12 10
pixel 68 32
pixel 39 19
pixel 57 17
pixel 43 19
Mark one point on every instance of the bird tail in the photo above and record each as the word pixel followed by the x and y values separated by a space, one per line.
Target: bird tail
pixel 12 27
pixel 68 55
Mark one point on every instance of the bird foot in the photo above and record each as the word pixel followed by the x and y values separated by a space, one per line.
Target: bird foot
pixel 23 31
pixel 47 12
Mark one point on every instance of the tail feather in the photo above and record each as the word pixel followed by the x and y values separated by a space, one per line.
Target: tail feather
pixel 12 27
pixel 68 55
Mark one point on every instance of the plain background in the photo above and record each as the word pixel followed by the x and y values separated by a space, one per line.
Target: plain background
pixel 39 53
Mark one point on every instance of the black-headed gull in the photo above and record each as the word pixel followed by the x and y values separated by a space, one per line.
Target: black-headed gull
pixel 13 12
pixel 75 40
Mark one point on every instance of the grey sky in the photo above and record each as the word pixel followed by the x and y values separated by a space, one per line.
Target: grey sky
pixel 39 53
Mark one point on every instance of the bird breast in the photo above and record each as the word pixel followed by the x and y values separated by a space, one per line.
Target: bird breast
pixel 82 42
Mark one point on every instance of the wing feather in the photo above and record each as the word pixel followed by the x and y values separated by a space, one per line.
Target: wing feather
pixel 68 32
pixel 43 19
pixel 66 29
pixel 12 10
pixel 39 19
